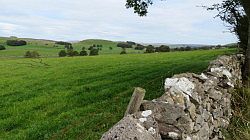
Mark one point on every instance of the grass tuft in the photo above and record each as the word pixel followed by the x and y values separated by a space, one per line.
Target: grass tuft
pixel 239 128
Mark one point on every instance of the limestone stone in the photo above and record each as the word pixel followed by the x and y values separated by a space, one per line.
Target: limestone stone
pixel 192 111
pixel 128 128
pixel 193 107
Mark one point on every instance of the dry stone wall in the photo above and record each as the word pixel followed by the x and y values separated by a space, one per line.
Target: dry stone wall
pixel 193 107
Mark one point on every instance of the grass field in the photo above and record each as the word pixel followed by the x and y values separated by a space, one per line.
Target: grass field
pixel 82 97
pixel 46 48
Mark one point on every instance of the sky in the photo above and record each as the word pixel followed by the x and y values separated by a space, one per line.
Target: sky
pixel 171 21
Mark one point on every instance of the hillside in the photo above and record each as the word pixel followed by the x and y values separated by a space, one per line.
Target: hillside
pixel 47 48
pixel 82 97
pixel 44 47
pixel 109 47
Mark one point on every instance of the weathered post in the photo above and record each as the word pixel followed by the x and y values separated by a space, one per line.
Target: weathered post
pixel 135 101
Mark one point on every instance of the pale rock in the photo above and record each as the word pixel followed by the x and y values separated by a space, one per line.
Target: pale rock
pixel 146 113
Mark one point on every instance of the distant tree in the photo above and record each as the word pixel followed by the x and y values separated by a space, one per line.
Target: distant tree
pixel 124 45
pixel 75 53
pixel 91 48
pixel 99 46
pixel 83 48
pixel 218 46
pixel 188 48
pixel 68 46
pixel 181 49
pixel 71 47
pixel 27 54
pixel 139 47
pixel 31 54
pixel 123 51
pixel 206 48
pixel 94 52
pixel 150 49
pixel 110 48
pixel 63 43
pixel 163 48
pixel 131 42
pixel 62 53
pixel 83 53
pixel 72 53
pixel 16 42
pixel 175 49
pixel 2 47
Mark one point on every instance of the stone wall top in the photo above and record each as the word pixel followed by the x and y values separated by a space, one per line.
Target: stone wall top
pixel 193 107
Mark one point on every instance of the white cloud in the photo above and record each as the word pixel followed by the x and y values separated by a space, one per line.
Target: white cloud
pixel 177 21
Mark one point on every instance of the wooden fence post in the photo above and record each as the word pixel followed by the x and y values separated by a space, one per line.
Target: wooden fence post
pixel 135 101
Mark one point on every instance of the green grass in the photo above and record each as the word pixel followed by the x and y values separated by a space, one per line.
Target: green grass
pixel 46 48
pixel 239 128
pixel 82 97
pixel 43 47
pixel 106 46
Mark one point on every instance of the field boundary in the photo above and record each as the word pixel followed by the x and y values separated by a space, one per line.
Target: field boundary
pixel 193 106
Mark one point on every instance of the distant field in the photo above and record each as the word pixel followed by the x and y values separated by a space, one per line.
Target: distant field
pixel 106 44
pixel 82 97
pixel 47 48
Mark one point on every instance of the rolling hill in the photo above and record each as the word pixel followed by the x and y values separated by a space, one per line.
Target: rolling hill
pixel 47 48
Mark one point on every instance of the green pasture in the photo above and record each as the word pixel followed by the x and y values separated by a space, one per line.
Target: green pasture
pixel 47 48
pixel 82 97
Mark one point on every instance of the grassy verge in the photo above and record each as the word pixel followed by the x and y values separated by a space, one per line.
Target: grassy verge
pixel 239 128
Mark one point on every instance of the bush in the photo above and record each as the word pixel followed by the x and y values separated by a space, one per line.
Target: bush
pixel 123 51
pixel 139 47
pixel 188 48
pixel 62 53
pixel 16 42
pixel 2 47
pixel 72 53
pixel 83 53
pixel 75 53
pixel 31 54
pixel 63 43
pixel 94 52
pixel 68 47
pixel 163 48
pixel 124 45
pixel 90 48
pixel 99 46
pixel 150 49
pixel 110 48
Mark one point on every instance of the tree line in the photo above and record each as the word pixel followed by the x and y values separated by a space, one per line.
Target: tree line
pixel 165 48
pixel 69 50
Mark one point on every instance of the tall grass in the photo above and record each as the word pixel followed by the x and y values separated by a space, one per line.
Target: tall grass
pixel 239 128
